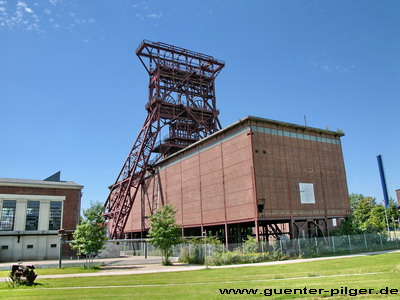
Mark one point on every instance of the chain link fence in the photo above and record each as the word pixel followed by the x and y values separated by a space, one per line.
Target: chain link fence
pixel 284 248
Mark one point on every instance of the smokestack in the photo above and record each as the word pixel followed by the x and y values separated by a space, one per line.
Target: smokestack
pixel 383 180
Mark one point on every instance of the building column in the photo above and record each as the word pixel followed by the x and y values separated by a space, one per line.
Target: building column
pixel 257 231
pixel 20 215
pixel 226 236
pixel 44 215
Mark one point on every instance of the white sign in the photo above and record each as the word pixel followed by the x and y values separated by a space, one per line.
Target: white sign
pixel 307 193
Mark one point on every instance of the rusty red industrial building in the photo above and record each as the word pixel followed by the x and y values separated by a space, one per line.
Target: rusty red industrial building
pixel 257 176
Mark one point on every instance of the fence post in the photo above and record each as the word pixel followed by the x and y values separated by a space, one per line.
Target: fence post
pixel 316 245
pixel 280 245
pixel 365 240
pixel 381 241
pixel 145 250
pixel 298 243
pixel 395 231
pixel 262 247
pixel 333 245
pixel 349 243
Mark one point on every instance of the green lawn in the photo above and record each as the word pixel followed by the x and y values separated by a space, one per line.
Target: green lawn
pixel 205 284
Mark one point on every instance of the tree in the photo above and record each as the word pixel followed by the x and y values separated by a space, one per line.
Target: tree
pixel 90 237
pixel 363 212
pixel 393 210
pixel 348 226
pixel 367 216
pixel 164 231
pixel 377 220
pixel 354 200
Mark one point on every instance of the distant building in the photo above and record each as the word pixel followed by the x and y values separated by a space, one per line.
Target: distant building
pixel 32 212
pixel 255 177
pixel 398 196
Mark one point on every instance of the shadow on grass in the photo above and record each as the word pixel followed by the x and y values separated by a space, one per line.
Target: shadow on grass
pixel 35 284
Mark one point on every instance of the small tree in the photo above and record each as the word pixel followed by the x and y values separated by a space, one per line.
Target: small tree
pixel 367 216
pixel 90 236
pixel 164 232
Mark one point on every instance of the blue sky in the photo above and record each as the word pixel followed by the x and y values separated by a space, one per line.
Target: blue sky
pixel 72 91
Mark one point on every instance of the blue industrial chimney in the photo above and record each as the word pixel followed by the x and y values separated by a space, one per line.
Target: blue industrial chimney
pixel 383 180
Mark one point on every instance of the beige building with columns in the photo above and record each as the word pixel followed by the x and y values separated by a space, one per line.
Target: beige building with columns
pixel 32 212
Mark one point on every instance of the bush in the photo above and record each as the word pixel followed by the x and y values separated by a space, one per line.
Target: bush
pixel 237 257
pixel 192 254
pixel 250 245
pixel 195 251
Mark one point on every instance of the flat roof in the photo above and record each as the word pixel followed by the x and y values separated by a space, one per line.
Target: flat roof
pixel 292 125
pixel 39 183
pixel 249 119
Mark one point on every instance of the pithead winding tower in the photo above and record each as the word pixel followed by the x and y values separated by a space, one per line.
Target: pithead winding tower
pixel 181 103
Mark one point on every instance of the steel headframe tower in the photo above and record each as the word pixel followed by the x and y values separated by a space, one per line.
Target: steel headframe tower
pixel 182 99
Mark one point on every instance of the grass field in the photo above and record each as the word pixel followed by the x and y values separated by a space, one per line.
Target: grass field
pixel 366 272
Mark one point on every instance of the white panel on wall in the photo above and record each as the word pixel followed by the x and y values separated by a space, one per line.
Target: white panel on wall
pixel 307 193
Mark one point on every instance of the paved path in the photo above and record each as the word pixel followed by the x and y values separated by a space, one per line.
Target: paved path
pixel 131 269
pixel 120 261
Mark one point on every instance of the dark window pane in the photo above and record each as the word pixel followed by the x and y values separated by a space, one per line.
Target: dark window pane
pixel 32 215
pixel 55 215
pixel 8 215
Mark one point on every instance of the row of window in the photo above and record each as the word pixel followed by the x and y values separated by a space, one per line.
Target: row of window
pixel 295 135
pixel 5 247
pixel 7 220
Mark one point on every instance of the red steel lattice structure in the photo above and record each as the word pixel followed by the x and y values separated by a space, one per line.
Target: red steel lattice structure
pixel 182 99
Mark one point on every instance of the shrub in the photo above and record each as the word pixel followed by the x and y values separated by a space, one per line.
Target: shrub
pixel 195 251
pixel 237 257
pixel 250 245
